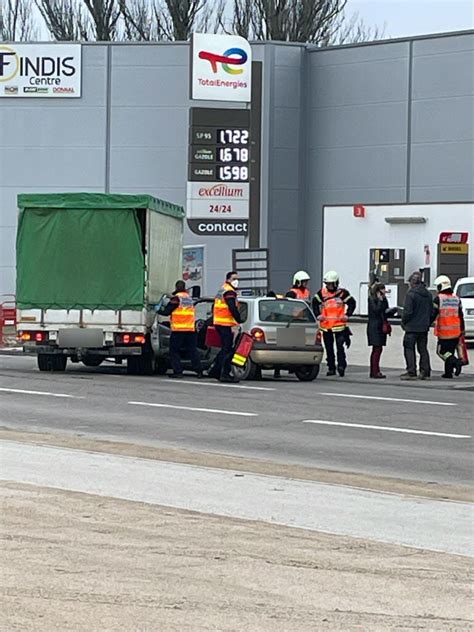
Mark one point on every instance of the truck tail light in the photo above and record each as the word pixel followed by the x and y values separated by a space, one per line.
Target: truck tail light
pixel 258 334
pixel 37 336
pixel 319 337
pixel 127 339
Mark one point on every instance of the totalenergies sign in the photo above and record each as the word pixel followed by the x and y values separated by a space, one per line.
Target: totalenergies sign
pixel 221 68
pixel 40 70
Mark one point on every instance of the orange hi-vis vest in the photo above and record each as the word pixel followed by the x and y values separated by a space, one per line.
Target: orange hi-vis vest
pixel 301 292
pixel 183 317
pixel 221 313
pixel 448 322
pixel 333 311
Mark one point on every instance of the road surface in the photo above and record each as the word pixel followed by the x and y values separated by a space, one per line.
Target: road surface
pixel 420 431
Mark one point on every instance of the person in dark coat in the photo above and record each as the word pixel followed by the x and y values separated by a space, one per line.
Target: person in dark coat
pixel 378 326
pixel 416 320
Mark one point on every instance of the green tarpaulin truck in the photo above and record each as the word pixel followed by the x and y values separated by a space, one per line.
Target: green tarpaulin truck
pixel 90 269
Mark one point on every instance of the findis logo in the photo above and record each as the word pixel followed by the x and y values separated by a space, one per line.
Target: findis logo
pixel 231 57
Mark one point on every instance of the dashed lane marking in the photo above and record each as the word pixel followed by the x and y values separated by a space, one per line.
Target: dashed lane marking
pixel 390 399
pixel 198 410
pixel 41 393
pixel 386 429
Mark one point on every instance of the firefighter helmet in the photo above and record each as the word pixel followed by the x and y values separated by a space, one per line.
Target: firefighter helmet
pixel 299 277
pixel 331 277
pixel 442 282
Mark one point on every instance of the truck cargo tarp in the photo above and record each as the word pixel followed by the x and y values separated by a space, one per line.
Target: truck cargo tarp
pixel 96 201
pixel 64 257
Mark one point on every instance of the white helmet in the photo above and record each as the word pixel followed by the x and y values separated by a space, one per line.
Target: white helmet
pixel 300 276
pixel 331 277
pixel 443 281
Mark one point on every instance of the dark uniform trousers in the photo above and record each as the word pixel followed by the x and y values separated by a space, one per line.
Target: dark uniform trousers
pixel 223 360
pixel 446 351
pixel 186 342
pixel 340 338
pixel 418 340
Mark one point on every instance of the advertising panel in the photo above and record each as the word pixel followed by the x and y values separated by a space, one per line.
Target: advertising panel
pixel 221 68
pixel 40 70
pixel 193 265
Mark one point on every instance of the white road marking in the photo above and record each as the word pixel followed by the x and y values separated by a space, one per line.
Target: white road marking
pixel 45 393
pixel 219 385
pixel 386 428
pixel 390 399
pixel 198 410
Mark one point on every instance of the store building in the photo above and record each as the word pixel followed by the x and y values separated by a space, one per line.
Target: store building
pixel 386 123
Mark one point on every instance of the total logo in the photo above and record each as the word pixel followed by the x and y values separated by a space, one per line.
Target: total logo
pixel 221 67
pixel 231 57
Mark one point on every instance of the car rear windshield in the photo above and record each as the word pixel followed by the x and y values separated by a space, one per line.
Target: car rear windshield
pixel 281 311
pixel 465 290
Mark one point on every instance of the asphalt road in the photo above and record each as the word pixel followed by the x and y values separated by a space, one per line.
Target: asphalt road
pixel 419 431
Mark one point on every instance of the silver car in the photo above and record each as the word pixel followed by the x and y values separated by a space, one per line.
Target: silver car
pixel 286 335
pixel 285 331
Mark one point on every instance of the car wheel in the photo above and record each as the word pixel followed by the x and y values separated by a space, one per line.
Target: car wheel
pixel 93 360
pixel 250 371
pixel 307 373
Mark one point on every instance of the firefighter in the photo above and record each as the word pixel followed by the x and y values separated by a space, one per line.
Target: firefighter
pixel 333 306
pixel 449 325
pixel 183 330
pixel 300 286
pixel 226 315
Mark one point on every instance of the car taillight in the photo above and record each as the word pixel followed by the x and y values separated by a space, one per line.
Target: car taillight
pixel 319 337
pixel 127 339
pixel 258 334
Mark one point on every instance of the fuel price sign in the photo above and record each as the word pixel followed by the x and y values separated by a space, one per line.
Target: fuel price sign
pixel 219 158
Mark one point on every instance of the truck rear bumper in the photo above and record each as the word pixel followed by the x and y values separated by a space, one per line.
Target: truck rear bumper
pixel 105 352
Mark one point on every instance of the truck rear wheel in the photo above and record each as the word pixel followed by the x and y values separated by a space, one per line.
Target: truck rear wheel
pixel 47 362
pixel 140 365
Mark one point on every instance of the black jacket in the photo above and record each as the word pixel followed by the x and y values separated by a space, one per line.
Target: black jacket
pixel 377 315
pixel 418 310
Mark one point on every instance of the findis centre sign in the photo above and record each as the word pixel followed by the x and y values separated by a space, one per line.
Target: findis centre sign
pixel 221 68
pixel 40 70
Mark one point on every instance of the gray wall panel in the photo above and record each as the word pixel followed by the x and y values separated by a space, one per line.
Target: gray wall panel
pixel 358 54
pixel 359 167
pixel 287 128
pixel 445 119
pixel 81 168
pixel 445 75
pixel 154 86
pixel 67 127
pixel 358 125
pixel 443 163
pixel 145 127
pixel 351 83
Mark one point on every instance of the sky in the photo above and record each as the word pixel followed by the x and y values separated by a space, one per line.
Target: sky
pixel 415 17
pixel 400 17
